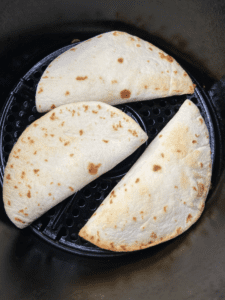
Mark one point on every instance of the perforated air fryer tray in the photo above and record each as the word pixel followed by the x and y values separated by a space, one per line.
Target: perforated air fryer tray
pixel 60 226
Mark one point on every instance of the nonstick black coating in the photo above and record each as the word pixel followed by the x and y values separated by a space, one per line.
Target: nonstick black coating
pixel 60 225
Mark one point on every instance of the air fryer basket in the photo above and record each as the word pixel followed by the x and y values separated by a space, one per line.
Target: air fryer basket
pixel 60 226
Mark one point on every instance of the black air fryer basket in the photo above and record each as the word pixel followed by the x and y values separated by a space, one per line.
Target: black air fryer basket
pixel 60 225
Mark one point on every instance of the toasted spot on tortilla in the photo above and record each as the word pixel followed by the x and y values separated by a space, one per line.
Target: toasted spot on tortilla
pixel 94 112
pixel 201 165
pixel 8 177
pixel 35 124
pixel 67 93
pixel 165 208
pixel 175 72
pixel 111 201
pixel 155 218
pixel 162 154
pixel 99 106
pixel 133 132
pixel 153 235
pixel 135 219
pixel 81 78
pixel 99 36
pixel 148 61
pixel 81 132
pixel 176 187
pixel 53 106
pixel 137 180
pixel 185 74
pixel 114 81
pixel 15 187
pixel 52 135
pixel 46 160
pixel 194 141
pixel 73 49
pixel 191 89
pixel 194 188
pixel 150 48
pixel 71 154
pixel 18 220
pixel 166 57
pixel 66 143
pixel 184 202
pixel 36 171
pixel 40 91
pixel 9 203
pixel 200 189
pixel 201 121
pixel 105 141
pixel 132 39
pixel 28 194
pixel 93 169
pixel 120 60
pixel 116 126
pixel 49 194
pixel 23 175
pixel 11 166
pixel 59 184
pixel 189 217
pixel 112 194
pixel 53 117
pixel 45 77
pixel 115 33
pixel 125 94
pixel 160 136
pixel 179 230
pixel 85 108
pixel 71 188
pixel 146 87
pixel 123 247
pixel 156 89
pixel 156 168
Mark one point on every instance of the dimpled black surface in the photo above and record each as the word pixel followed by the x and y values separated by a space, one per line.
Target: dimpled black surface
pixel 60 225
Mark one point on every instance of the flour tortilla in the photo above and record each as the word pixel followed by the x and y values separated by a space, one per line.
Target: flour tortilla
pixel 62 152
pixel 163 194
pixel 114 68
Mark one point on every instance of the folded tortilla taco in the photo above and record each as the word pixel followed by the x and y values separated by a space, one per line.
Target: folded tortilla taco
pixel 114 68
pixel 62 152
pixel 163 194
